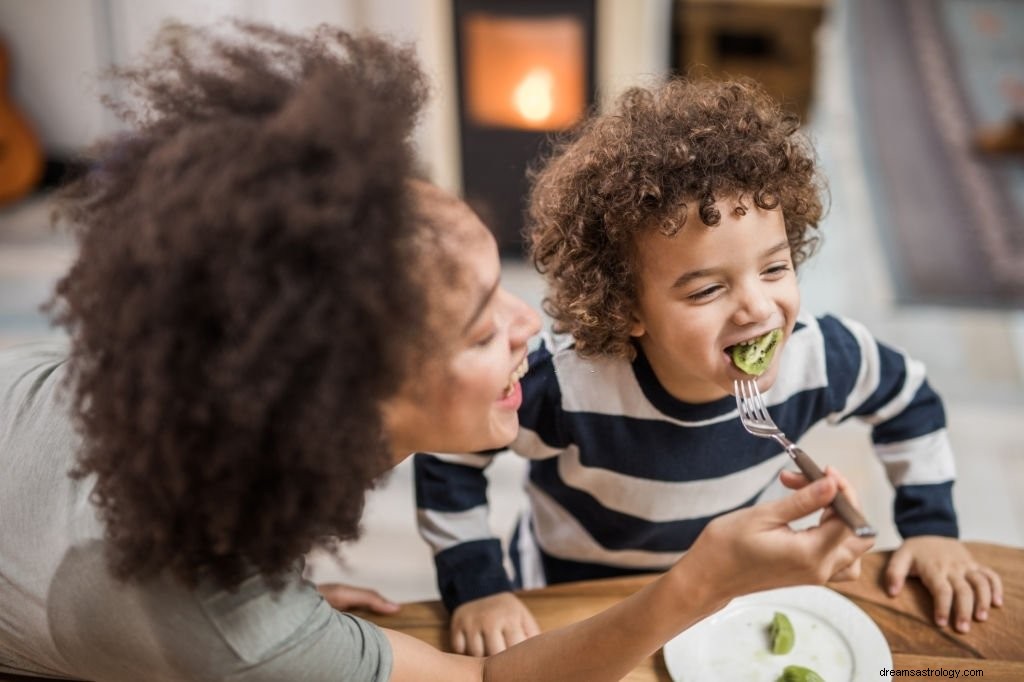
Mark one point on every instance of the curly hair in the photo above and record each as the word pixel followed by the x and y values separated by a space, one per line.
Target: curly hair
pixel 643 165
pixel 244 296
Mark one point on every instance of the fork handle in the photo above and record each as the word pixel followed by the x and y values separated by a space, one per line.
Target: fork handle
pixel 846 511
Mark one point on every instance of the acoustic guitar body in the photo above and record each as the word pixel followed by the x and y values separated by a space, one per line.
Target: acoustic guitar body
pixel 21 159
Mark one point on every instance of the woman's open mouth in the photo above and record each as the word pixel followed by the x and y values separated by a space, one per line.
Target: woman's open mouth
pixel 517 374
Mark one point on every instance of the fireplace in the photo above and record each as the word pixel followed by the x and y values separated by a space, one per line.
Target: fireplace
pixel 525 70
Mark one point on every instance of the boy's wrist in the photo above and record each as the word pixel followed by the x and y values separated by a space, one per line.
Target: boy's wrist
pixel 471 571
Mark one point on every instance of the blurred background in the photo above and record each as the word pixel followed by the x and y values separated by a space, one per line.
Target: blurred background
pixel 916 108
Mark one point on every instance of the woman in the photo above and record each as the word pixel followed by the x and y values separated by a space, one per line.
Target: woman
pixel 264 316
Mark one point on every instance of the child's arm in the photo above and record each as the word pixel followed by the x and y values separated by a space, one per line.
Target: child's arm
pixel 452 515
pixel 959 585
pixel 451 496
pixel 909 435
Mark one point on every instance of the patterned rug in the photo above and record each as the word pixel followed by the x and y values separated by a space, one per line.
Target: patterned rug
pixel 927 75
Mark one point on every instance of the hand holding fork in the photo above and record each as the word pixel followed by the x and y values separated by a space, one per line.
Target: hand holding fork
pixel 757 421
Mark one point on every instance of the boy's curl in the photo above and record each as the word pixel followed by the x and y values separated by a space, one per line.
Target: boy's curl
pixel 243 297
pixel 658 157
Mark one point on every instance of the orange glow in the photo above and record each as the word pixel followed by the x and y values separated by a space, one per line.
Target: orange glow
pixel 524 73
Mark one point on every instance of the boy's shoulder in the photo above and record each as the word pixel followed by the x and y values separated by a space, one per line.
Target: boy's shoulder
pixel 833 328
pixel 827 324
pixel 560 350
pixel 553 343
pixel 557 354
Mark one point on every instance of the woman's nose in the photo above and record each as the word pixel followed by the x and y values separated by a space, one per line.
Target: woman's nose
pixel 525 321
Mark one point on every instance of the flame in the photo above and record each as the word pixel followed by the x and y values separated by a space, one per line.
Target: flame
pixel 534 97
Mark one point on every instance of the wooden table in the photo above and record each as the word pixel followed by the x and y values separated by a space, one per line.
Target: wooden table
pixel 995 646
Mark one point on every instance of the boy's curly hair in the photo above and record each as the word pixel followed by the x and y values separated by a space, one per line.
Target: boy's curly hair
pixel 244 296
pixel 647 164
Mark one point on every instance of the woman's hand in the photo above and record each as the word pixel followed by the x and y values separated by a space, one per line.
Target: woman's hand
pixel 755 549
pixel 486 626
pixel 738 553
pixel 347 597
pixel 794 480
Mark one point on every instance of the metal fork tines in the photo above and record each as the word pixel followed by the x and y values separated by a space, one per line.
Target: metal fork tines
pixel 756 419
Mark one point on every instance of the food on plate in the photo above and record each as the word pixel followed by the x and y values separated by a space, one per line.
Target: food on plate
pixel 755 355
pixel 781 633
pixel 798 673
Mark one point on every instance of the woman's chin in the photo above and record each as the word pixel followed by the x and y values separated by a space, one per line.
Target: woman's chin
pixel 504 431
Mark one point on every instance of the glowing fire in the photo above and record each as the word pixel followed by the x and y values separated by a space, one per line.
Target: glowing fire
pixel 524 73
pixel 534 97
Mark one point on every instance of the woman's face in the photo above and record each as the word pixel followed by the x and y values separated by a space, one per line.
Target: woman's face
pixel 467 399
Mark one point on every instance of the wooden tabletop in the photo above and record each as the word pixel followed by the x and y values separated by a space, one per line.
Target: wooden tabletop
pixel 995 646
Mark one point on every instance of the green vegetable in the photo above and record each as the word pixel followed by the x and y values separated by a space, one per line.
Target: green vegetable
pixel 754 356
pixel 798 673
pixel 781 633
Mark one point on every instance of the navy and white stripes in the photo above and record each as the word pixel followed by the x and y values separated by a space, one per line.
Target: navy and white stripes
pixel 623 477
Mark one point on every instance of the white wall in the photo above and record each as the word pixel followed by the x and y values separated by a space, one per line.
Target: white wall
pixel 54 56
pixel 58 48
pixel 633 44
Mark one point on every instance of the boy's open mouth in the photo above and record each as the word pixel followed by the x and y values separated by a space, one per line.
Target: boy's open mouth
pixel 754 356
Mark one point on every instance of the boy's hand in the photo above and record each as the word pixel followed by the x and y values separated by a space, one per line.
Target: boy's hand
pixel 959 584
pixel 486 626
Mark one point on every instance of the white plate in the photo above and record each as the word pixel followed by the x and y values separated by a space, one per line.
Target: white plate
pixel 834 638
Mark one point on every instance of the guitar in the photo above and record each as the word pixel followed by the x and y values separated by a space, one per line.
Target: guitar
pixel 21 158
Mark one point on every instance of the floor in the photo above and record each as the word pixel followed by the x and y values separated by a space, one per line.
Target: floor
pixel 975 359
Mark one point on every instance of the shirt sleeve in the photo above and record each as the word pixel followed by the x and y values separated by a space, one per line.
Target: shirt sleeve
pixel 887 389
pixel 294 634
pixel 343 647
pixel 452 516
pixel 159 629
pixel 451 499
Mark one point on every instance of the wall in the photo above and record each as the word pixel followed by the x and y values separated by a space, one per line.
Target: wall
pixel 58 48
pixel 54 55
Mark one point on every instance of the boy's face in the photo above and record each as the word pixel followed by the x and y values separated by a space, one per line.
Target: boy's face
pixel 705 289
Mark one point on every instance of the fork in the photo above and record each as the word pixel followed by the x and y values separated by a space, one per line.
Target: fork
pixel 756 420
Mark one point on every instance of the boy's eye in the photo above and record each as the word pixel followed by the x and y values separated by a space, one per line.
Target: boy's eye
pixel 705 293
pixel 777 269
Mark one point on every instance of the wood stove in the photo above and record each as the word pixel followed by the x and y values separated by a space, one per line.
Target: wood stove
pixel 525 69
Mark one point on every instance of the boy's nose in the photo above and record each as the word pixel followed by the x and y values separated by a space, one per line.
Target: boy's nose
pixel 753 305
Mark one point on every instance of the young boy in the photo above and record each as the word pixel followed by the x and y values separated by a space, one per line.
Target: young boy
pixel 669 231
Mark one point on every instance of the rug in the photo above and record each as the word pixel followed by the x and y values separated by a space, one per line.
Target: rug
pixel 926 75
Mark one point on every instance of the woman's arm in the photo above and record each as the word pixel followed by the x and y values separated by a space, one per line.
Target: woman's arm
pixel 742 552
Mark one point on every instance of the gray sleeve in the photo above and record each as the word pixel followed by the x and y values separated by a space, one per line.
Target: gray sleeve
pixel 295 635
pixel 343 647
pixel 160 631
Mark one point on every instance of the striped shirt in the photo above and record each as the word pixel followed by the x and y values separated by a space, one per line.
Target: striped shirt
pixel 623 476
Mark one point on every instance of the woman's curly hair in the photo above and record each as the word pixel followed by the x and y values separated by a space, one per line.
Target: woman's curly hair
pixel 245 296
pixel 644 165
